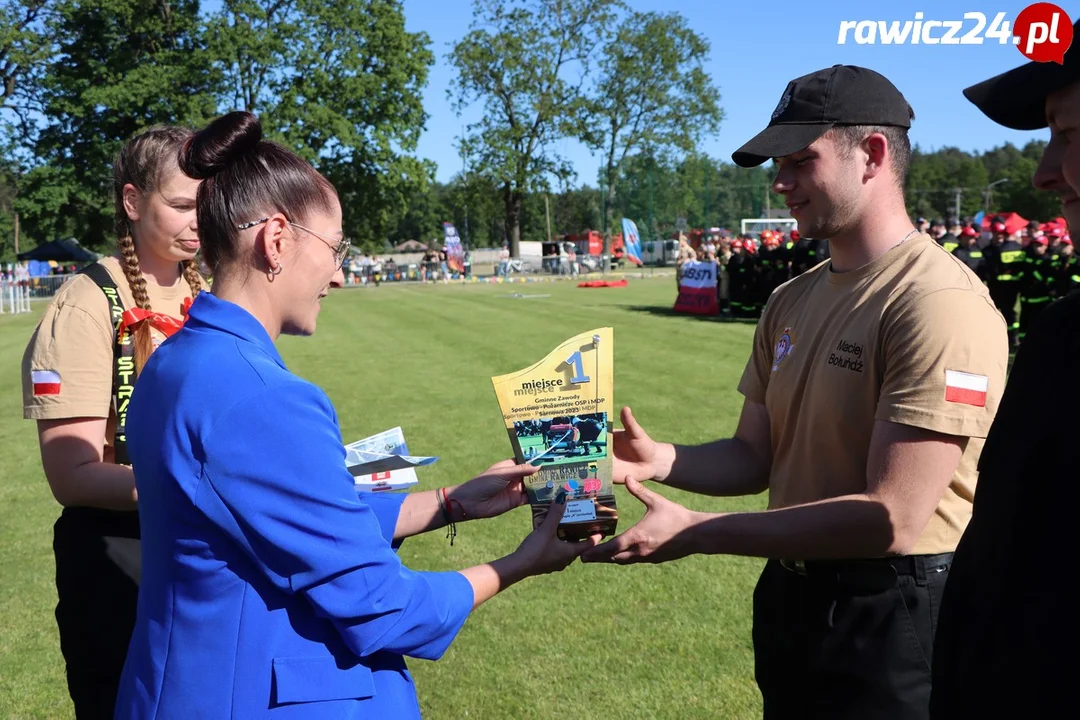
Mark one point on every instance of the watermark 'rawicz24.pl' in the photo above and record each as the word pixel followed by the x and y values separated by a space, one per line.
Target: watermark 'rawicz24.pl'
pixel 1042 29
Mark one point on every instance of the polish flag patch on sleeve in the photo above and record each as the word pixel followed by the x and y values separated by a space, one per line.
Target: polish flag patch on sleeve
pixel 46 382
pixel 966 388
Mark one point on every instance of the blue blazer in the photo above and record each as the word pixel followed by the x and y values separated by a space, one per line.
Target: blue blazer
pixel 270 587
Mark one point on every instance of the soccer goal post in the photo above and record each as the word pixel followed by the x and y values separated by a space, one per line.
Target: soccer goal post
pixel 755 226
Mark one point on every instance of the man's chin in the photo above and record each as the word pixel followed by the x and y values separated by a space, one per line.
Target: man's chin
pixel 1071 213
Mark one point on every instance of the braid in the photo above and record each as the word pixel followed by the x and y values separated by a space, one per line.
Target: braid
pixel 144 340
pixel 193 277
pixel 136 281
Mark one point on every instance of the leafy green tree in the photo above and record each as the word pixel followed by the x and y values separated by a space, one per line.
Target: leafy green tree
pixel 577 209
pixel 120 66
pixel 936 179
pixel 338 81
pixel 25 47
pixel 652 94
pixel 526 62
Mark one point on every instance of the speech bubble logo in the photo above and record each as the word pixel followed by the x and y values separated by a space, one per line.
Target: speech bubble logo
pixel 1043 33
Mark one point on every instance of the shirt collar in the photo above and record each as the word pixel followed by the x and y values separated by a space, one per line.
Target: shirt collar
pixel 211 312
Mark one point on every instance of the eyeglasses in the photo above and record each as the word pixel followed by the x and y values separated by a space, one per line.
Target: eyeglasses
pixel 340 247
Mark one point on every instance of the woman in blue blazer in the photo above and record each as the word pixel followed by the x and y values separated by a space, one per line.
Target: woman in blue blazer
pixel 270 587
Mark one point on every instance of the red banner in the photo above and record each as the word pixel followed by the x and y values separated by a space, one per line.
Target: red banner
pixel 697 289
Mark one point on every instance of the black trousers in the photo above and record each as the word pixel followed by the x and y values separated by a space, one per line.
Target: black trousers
pixel 1029 314
pixel 1004 296
pixel 847 639
pixel 96 609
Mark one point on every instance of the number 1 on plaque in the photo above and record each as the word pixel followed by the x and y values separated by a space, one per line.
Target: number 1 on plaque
pixel 579 369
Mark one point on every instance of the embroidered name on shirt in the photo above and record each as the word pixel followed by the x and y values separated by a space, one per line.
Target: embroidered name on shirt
pixel 848 355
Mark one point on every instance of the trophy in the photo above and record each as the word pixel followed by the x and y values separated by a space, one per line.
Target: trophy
pixel 558 415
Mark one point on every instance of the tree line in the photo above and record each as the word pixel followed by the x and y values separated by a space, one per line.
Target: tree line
pixel 709 192
pixel 341 81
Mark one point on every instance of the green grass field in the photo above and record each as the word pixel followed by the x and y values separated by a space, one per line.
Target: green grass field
pixel 669 641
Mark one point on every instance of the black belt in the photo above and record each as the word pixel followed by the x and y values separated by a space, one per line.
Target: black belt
pixel 914 565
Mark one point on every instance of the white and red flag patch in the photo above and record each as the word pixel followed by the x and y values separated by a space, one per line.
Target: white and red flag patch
pixel 966 388
pixel 46 382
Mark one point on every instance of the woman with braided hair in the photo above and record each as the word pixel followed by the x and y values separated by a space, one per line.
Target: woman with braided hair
pixel 79 370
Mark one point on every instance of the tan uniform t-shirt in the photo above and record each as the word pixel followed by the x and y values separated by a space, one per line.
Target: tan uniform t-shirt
pixel 74 344
pixel 911 338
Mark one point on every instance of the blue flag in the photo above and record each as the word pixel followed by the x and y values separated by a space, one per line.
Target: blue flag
pixel 632 241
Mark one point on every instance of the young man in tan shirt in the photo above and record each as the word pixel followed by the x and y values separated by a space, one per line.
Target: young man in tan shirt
pixel 872 382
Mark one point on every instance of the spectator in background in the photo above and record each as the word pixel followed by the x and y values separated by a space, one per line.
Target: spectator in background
pixel 1005 263
pixel 723 279
pixel 504 261
pixel 683 255
pixel 1069 271
pixel 376 270
pixel 969 252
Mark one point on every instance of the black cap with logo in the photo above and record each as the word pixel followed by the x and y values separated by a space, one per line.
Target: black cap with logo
pixel 813 104
pixel 1017 98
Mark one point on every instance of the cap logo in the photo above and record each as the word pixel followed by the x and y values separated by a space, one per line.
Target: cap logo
pixel 784 100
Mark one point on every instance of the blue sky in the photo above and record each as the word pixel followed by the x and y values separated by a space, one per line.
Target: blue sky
pixel 757 47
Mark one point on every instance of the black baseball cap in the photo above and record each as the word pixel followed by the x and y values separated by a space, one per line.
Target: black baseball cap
pixel 813 104
pixel 1017 98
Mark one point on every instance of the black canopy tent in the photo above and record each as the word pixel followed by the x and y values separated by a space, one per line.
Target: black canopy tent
pixel 62 251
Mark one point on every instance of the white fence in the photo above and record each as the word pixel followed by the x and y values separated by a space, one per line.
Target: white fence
pixel 14 297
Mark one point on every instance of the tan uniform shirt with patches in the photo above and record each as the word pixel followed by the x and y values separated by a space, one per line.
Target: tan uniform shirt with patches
pixel 835 352
pixel 75 339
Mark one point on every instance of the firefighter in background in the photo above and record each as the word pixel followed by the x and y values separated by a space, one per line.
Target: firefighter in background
pixel 792 238
pixel 969 253
pixel 951 239
pixel 935 229
pixel 1068 278
pixel 955 227
pixel 1037 283
pixel 740 273
pixel 1053 251
pixel 723 280
pixel 1005 263
pixel 756 303
pixel 807 253
pixel 773 260
pixel 1032 231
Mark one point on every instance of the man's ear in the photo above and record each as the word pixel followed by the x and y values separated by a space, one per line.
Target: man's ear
pixel 877 151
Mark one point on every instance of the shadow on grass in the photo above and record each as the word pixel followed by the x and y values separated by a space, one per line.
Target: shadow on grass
pixel 668 311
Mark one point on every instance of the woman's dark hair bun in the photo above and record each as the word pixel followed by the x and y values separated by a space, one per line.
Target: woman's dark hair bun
pixel 220 144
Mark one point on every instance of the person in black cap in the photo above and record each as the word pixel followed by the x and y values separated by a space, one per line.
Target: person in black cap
pixel 938 230
pixel 872 379
pixel 1007 632
pixel 969 253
